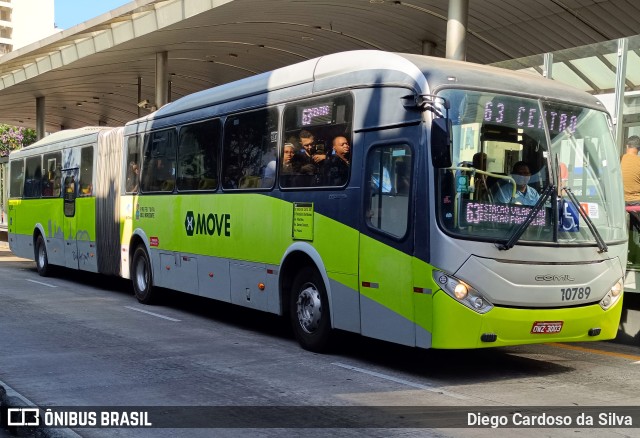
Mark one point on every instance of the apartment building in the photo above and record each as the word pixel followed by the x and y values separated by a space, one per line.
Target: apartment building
pixel 23 22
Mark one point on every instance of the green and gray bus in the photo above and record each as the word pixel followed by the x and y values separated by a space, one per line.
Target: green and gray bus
pixel 417 234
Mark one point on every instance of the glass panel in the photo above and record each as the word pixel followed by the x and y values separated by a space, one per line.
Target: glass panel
pixel 588 166
pixel 389 176
pixel 198 156
pixel 631 103
pixel 132 181
pixel 86 172
pixel 563 73
pixel 159 162
pixel 250 142
pixel 52 178
pixel 17 179
pixel 502 166
pixel 33 177
pixel 320 133
pixel 633 67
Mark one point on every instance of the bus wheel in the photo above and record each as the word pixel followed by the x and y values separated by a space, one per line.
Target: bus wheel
pixel 142 276
pixel 42 261
pixel 309 310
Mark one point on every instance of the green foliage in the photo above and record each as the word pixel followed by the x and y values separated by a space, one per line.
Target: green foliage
pixel 14 137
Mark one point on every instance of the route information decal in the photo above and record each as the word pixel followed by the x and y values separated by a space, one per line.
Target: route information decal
pixel 302 221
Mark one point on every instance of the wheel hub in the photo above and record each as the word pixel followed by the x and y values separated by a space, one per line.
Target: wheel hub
pixel 309 309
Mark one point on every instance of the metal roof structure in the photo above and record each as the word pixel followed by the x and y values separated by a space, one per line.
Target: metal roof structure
pixel 97 72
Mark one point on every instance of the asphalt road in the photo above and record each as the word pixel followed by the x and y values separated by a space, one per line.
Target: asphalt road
pixel 82 340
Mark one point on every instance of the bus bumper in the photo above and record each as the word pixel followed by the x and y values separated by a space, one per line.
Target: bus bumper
pixel 456 326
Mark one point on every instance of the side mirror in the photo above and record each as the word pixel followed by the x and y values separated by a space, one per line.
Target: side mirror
pixel 441 143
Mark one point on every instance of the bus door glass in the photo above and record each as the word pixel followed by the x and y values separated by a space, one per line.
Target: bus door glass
pixel 70 193
pixel 386 243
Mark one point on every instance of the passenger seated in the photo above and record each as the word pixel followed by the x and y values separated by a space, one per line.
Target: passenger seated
pixel 133 177
pixel 336 167
pixel 207 184
pixel 86 190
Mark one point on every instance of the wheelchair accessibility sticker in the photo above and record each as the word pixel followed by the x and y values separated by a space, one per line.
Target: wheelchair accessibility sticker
pixel 569 217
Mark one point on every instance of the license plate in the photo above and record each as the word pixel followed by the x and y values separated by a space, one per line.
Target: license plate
pixel 546 327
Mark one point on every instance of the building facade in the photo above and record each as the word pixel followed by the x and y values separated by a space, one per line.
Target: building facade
pixel 23 22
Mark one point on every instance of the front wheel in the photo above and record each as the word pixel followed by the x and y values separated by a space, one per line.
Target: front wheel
pixel 142 276
pixel 309 310
pixel 42 260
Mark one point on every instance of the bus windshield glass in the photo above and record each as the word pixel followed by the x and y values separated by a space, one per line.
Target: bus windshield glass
pixel 510 151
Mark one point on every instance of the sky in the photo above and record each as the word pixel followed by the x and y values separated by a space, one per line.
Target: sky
pixel 68 13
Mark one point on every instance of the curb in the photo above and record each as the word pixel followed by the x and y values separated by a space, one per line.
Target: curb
pixel 11 399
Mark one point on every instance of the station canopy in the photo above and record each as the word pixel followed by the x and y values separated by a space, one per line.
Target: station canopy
pixel 97 72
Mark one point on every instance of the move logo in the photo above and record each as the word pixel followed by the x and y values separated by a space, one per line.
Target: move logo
pixel 208 224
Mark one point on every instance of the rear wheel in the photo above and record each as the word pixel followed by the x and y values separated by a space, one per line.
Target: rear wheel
pixel 309 310
pixel 142 276
pixel 42 260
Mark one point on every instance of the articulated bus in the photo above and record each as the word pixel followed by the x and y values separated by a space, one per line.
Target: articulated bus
pixel 363 191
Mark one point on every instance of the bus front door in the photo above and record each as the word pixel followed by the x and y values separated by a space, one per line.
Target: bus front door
pixel 386 241
pixel 70 186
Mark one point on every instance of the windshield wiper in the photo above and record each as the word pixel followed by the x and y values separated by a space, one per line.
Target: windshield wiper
pixel 594 231
pixel 518 232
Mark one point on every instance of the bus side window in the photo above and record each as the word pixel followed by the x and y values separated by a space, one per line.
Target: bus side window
pixel 52 175
pixel 69 187
pixel 17 179
pixel 389 181
pixel 159 161
pixel 320 132
pixel 198 156
pixel 249 141
pixel 33 177
pixel 132 176
pixel 86 172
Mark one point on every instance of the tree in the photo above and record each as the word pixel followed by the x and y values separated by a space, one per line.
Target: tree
pixel 14 137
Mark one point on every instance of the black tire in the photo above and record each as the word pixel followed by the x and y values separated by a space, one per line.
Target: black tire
pixel 142 276
pixel 42 259
pixel 309 310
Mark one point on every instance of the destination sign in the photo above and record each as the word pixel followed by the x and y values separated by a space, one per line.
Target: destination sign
pixel 527 114
pixel 478 213
pixel 321 114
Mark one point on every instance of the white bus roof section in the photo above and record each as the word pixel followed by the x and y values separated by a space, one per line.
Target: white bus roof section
pixel 89 74
pixel 66 135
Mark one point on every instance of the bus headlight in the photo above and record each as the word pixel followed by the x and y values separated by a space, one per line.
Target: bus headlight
pixel 462 292
pixel 613 295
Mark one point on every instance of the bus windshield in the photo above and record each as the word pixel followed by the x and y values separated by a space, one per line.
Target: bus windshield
pixel 509 151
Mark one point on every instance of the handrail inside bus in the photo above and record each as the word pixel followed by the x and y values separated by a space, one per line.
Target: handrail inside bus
pixel 473 171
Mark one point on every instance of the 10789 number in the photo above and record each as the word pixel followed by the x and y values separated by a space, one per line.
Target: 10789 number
pixel 575 293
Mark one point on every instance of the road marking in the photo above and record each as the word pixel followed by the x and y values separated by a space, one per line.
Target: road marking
pixel 633 357
pixel 401 381
pixel 39 282
pixel 151 313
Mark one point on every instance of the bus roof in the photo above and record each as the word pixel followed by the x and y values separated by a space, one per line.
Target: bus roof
pixel 449 73
pixel 87 133
pixel 343 70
